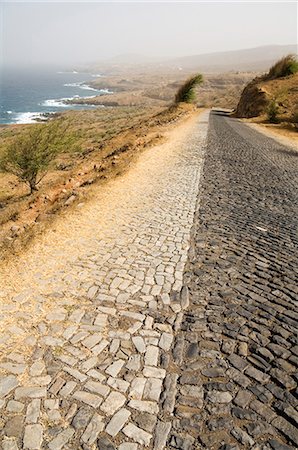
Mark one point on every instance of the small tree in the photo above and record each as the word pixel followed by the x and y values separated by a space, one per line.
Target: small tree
pixel 186 93
pixel 29 155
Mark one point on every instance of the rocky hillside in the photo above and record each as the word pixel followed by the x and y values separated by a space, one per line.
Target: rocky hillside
pixel 278 87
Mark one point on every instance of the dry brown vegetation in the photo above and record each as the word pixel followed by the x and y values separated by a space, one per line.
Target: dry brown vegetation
pixel 286 66
pixel 108 141
pixel 282 93
pixel 90 128
pixel 273 95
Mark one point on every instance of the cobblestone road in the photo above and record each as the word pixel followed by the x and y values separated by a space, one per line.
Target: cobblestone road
pixel 88 313
pixel 130 327
pixel 236 355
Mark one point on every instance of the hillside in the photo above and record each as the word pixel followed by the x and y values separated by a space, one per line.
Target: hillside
pixel 251 59
pixel 107 143
pixel 134 88
pixel 258 93
pixel 274 94
pixel 137 81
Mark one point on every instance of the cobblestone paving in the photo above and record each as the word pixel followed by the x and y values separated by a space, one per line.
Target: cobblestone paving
pixel 234 361
pixel 89 313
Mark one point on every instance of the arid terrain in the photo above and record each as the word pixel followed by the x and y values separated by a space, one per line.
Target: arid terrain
pixel 107 141
pixel 286 93
pixel 155 88
pixel 159 312
pixel 148 287
pixel 271 100
pixel 136 115
pixel 148 225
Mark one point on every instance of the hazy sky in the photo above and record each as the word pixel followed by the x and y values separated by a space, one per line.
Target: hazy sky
pixel 75 32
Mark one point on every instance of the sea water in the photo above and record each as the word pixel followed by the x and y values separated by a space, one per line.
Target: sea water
pixel 25 95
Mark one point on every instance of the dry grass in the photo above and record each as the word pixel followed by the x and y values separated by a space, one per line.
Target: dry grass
pixel 126 133
pixel 285 92
pixel 107 140
pixel 286 66
pixel 159 89
pixel 91 129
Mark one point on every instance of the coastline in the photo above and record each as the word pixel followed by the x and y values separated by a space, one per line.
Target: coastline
pixel 41 108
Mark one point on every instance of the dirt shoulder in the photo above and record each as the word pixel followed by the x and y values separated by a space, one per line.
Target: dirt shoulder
pixel 281 134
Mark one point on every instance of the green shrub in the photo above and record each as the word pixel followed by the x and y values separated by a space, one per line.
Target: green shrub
pixel 29 155
pixel 288 65
pixel 186 93
pixel 272 111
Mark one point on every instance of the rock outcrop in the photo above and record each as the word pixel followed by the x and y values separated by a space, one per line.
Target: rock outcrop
pixel 253 100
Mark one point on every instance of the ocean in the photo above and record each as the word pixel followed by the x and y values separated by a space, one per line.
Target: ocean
pixel 26 94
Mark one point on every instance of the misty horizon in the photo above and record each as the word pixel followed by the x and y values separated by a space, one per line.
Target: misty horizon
pixel 127 58
pixel 73 34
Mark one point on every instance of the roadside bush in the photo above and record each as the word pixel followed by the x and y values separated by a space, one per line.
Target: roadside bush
pixel 28 155
pixel 288 65
pixel 186 93
pixel 272 111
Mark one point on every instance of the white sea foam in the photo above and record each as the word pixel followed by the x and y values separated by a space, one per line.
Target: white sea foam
pixel 58 102
pixel 62 102
pixel 81 85
pixel 9 112
pixel 72 84
pixel 73 71
pixel 88 88
pixel 29 117
pixel 106 91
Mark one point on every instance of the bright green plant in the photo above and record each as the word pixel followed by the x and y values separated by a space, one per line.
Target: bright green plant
pixel 186 93
pixel 272 111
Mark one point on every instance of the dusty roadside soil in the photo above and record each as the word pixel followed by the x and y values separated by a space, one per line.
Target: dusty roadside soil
pixel 282 135
pixel 25 217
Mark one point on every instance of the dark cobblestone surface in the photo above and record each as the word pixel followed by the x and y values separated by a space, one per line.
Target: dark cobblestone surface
pixel 237 353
